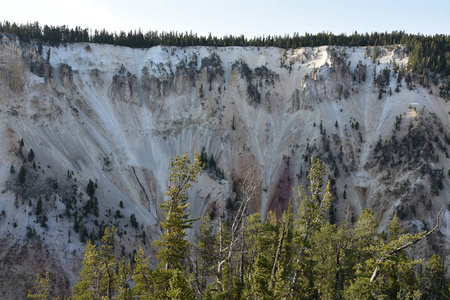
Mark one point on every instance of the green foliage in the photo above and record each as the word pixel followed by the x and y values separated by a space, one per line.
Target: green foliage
pixel 133 221
pixel 315 204
pixel 173 244
pixel 205 250
pixel 434 283
pixel 158 283
pixel 210 165
pixel 328 258
pixel 122 278
pixel 44 220
pixel 259 279
pixel 91 206
pixel 31 232
pixel 90 189
pixel 39 206
pixel 98 276
pixel 384 271
pixel 246 257
pixel 142 276
pixel 200 91
pixel 21 176
pixel 311 217
pixel 375 53
pixel 76 222
pixel 179 287
pixel 42 288
pixel 83 233
pixel 118 215
pixel 31 155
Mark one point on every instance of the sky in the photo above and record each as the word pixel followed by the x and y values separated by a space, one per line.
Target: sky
pixel 250 18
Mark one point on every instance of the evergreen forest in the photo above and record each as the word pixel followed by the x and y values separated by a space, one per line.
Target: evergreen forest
pixel 429 56
pixel 296 254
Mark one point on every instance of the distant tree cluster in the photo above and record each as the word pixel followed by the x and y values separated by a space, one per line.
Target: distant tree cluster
pixel 429 56
pixel 210 165
pixel 56 35
pixel 426 51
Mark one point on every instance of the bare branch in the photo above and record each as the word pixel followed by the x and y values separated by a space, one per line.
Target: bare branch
pixel 403 247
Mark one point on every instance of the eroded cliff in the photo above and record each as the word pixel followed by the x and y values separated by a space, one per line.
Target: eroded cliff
pixel 115 115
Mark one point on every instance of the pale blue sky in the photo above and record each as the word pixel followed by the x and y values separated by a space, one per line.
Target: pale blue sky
pixel 237 17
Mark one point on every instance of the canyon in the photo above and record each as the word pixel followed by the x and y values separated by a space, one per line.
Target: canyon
pixel 115 116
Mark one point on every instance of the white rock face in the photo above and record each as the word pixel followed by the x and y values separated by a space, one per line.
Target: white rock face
pixel 117 115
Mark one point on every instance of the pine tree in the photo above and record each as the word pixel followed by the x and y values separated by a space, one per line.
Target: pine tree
pixel 282 261
pixel 384 270
pixel 173 244
pixel 42 288
pixel 31 155
pixel 205 251
pixel 98 275
pixel 143 276
pixel 133 221
pixel 310 218
pixel 39 207
pixel 212 162
pixel 328 253
pixel 21 175
pixel 90 189
pixel 88 286
pixel 179 287
pixel 150 283
pixel 123 276
pixel 204 157
pixel 434 280
pixel 259 279
pixel 200 91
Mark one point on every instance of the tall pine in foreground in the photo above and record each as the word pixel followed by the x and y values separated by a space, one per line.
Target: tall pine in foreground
pixel 98 277
pixel 173 244
pixel 311 218
pixel 169 280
